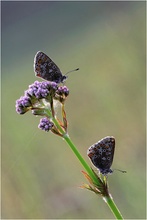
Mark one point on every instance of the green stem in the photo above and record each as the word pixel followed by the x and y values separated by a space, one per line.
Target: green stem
pixel 113 207
pixel 55 121
pixel 83 162
pixel 108 199
pixel 73 147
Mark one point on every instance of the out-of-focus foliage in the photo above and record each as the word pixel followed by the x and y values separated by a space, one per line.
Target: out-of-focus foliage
pixel 106 40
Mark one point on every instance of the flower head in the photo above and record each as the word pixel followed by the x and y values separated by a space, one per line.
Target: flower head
pixel 39 98
pixel 41 90
pixel 62 93
pixel 23 104
pixel 45 124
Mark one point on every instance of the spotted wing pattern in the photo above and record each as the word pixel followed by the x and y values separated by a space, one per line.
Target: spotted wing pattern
pixel 101 154
pixel 45 68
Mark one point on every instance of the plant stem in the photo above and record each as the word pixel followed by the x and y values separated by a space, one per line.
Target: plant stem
pixel 83 162
pixel 108 199
pixel 112 206
pixel 72 146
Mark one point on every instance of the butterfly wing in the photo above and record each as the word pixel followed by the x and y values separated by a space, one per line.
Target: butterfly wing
pixel 45 68
pixel 101 154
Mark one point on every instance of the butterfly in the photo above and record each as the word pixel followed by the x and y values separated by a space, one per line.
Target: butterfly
pixel 45 68
pixel 101 154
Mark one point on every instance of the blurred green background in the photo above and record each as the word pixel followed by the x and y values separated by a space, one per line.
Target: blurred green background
pixel 106 40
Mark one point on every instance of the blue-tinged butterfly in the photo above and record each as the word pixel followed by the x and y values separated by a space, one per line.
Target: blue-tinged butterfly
pixel 101 154
pixel 45 68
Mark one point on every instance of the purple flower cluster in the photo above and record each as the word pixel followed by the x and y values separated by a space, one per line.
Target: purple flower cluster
pixel 45 124
pixel 23 104
pixel 39 98
pixel 41 89
pixel 61 94
pixel 63 90
pixel 35 92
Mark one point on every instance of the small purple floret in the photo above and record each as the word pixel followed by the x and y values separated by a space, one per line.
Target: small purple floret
pixel 63 90
pixel 23 104
pixel 41 89
pixel 45 124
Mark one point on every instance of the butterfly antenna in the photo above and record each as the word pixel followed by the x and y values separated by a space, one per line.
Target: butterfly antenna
pixel 123 171
pixel 72 71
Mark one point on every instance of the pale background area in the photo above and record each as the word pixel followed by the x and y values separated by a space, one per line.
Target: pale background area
pixel 106 40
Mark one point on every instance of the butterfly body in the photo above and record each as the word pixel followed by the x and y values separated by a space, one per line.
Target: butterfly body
pixel 45 68
pixel 101 154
